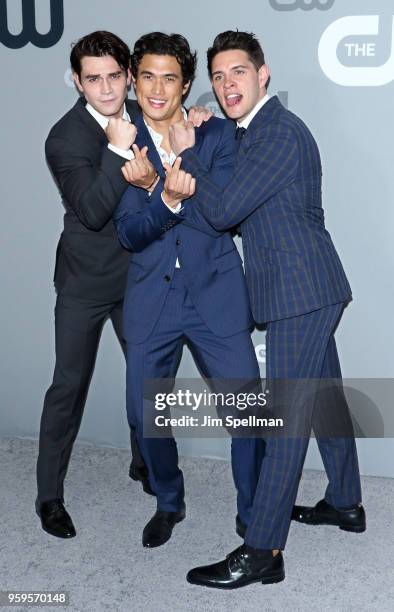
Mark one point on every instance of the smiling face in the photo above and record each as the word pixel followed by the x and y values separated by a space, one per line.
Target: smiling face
pixel 104 84
pixel 159 88
pixel 237 83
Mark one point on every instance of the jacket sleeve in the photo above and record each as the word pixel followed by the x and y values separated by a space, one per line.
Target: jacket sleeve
pixel 140 219
pixel 92 192
pixel 219 175
pixel 270 165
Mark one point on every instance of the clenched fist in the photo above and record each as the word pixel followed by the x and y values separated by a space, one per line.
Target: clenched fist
pixel 121 133
pixel 178 185
pixel 198 114
pixel 182 136
pixel 140 171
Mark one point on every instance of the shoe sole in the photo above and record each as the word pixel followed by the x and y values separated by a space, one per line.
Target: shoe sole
pixel 355 529
pixel 269 579
pixel 351 528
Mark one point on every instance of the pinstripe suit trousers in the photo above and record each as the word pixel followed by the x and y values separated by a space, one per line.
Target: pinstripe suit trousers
pixel 304 348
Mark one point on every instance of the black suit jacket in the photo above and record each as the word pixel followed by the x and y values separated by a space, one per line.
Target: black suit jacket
pixel 90 263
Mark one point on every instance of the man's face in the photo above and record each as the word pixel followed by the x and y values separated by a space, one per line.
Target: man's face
pixel 104 84
pixel 236 82
pixel 159 87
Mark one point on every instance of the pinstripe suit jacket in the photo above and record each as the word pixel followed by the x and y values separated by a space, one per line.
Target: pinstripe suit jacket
pixel 291 264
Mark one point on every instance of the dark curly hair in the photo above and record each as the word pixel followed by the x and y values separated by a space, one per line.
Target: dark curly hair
pixel 98 44
pixel 244 41
pixel 157 43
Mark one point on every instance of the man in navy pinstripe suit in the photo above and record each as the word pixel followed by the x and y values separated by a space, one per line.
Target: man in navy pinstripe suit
pixel 297 287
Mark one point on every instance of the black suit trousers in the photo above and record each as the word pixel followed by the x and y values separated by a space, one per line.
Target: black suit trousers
pixel 78 327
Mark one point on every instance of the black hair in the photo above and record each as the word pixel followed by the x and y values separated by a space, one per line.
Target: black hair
pixel 245 41
pixel 99 44
pixel 157 43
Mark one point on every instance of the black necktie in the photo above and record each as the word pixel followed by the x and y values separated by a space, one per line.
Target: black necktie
pixel 239 133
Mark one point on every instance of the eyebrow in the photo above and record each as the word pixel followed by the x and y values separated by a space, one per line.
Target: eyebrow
pixel 167 74
pixel 232 68
pixel 91 76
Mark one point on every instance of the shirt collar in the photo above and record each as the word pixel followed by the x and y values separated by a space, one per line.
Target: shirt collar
pixel 246 122
pixel 101 119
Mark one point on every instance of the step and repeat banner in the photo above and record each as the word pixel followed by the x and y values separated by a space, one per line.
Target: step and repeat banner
pixel 332 63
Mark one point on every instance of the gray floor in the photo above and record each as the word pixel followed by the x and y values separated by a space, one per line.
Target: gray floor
pixel 106 568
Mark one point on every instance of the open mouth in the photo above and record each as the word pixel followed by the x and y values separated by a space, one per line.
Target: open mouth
pixel 233 99
pixel 156 102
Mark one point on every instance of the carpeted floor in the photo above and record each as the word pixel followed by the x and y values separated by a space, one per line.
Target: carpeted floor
pixel 106 568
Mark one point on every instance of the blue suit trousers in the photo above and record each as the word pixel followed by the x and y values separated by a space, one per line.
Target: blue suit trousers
pixel 216 357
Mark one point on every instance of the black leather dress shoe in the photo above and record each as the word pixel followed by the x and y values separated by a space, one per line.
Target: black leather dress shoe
pixel 241 567
pixel 159 529
pixel 349 519
pixel 55 519
pixel 240 527
pixel 141 474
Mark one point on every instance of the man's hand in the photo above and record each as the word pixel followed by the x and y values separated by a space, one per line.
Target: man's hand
pixel 182 136
pixel 121 133
pixel 178 185
pixel 198 114
pixel 140 171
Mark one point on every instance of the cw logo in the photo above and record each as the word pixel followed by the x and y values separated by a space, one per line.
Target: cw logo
pixel 304 5
pixel 29 32
pixel 354 76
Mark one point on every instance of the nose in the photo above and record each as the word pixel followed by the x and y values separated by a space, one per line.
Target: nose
pixel 106 86
pixel 157 86
pixel 227 81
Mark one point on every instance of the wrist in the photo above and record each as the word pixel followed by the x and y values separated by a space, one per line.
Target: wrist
pixel 120 145
pixel 153 184
pixel 169 201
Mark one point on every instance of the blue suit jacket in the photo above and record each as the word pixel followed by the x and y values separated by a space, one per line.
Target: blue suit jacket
pixel 156 236
pixel 291 264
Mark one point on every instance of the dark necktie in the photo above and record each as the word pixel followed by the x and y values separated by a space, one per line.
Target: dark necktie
pixel 240 133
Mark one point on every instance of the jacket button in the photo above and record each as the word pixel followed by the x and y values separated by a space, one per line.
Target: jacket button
pixel 178 242
pixel 167 278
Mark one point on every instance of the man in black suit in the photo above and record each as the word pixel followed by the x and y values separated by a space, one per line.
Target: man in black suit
pixel 85 151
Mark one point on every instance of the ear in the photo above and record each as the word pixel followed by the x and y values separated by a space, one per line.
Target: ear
pixel 264 75
pixel 128 76
pixel 185 88
pixel 77 82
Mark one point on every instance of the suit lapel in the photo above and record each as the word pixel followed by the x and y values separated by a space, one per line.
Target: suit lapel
pixel 133 109
pixel 265 114
pixel 88 120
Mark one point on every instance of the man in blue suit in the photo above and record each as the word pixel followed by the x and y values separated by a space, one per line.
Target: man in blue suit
pixel 185 282
pixel 297 287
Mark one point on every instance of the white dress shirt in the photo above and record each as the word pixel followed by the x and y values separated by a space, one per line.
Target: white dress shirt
pixel 165 157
